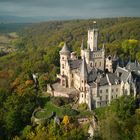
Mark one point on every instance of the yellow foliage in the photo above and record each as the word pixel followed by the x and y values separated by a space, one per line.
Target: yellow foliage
pixel 31 135
pixel 16 138
pixel 15 83
pixel 133 41
pixel 61 44
pixel 65 120
pixel 21 89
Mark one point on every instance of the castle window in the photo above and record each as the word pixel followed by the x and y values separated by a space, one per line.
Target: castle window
pixel 112 97
pixel 72 75
pixel 120 74
pixel 62 66
pixel 100 63
pixel 82 95
pixel 62 58
pixel 106 90
pixel 91 64
pixel 95 64
pixel 106 97
pixel 116 89
pixel 100 91
pixel 100 97
pixel 116 96
pixel 82 81
pixel 112 90
pixel 63 83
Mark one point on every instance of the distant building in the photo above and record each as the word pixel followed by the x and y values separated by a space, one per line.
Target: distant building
pixel 97 78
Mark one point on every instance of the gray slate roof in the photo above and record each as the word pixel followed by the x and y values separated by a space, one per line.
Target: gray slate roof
pixel 103 81
pixel 65 49
pixel 113 78
pixel 132 66
pixel 123 73
pixel 75 64
pixel 92 75
pixel 83 69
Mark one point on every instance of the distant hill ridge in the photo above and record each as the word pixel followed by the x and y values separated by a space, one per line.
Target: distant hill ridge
pixel 72 31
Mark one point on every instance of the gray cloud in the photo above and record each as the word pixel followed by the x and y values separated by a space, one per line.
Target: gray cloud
pixel 74 8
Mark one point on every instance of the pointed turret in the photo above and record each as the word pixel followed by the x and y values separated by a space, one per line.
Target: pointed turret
pixel 83 70
pixel 103 47
pixel 65 49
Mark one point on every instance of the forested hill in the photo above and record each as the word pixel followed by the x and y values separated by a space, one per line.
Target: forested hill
pixel 52 33
pixel 37 51
pixel 38 45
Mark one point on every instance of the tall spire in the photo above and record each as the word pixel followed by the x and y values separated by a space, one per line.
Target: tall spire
pixel 65 49
pixel 103 47
pixel 83 71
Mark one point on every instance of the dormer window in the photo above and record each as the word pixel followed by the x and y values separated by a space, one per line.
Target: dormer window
pixel 119 74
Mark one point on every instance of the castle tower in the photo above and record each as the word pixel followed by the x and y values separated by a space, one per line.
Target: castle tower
pixel 83 81
pixel 64 57
pixel 93 38
pixel 87 54
pixel 83 75
pixel 109 64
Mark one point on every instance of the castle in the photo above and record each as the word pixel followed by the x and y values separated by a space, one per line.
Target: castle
pixel 97 78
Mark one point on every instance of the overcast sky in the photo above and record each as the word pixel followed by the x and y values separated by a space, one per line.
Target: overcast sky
pixel 70 8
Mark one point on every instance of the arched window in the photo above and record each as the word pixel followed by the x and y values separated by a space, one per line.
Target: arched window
pixel 62 66
pixel 95 64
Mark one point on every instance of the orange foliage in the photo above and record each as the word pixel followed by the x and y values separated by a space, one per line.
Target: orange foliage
pixel 29 82
pixel 20 89
pixel 15 83
pixel 4 74
pixel 46 77
pixel 11 73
